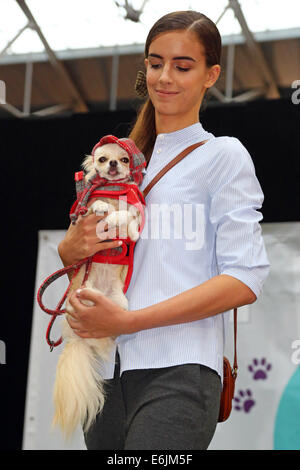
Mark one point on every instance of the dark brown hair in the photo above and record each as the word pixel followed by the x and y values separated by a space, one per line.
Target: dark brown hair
pixel 144 132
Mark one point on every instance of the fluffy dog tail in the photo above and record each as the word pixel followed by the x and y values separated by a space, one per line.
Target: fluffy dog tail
pixel 78 389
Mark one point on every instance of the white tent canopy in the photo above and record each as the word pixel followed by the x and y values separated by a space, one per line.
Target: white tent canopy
pixel 100 41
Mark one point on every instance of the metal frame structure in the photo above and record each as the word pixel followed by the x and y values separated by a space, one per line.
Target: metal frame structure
pixel 131 13
pixel 76 101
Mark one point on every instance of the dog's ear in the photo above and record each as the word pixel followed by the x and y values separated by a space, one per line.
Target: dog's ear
pixel 87 163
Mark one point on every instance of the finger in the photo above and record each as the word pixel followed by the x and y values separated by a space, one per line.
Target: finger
pixel 88 294
pixel 106 235
pixel 74 324
pixel 81 333
pixel 92 219
pixel 105 227
pixel 70 311
pixel 79 329
pixel 109 235
pixel 77 306
pixel 104 244
pixel 112 230
pixel 71 318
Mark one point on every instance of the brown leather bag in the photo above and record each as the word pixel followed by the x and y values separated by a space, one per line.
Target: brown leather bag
pixel 229 378
pixel 229 374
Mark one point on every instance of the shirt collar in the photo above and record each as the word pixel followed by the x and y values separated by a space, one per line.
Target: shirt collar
pixel 194 130
pixel 174 142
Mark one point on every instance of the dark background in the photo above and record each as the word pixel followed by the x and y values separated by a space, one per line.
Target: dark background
pixel 39 158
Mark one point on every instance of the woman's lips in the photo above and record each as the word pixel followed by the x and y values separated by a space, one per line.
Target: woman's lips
pixel 166 93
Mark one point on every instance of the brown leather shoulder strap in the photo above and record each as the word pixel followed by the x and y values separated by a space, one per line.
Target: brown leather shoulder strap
pixel 235 366
pixel 170 165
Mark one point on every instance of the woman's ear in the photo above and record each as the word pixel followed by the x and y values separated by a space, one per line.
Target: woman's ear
pixel 146 62
pixel 212 75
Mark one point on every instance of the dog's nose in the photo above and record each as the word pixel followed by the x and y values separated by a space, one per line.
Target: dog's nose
pixel 113 163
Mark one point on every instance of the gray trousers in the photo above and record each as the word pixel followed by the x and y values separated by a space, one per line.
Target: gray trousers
pixel 172 408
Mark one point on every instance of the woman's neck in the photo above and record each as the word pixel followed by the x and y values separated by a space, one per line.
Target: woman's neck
pixel 166 124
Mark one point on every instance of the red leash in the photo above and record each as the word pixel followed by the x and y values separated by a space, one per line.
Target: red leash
pixel 58 310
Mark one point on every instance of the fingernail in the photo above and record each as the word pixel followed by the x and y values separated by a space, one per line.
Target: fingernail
pixel 78 291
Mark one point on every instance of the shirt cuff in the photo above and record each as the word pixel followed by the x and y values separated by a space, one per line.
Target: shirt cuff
pixel 252 277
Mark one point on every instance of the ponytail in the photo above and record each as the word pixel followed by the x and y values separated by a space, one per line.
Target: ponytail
pixel 143 132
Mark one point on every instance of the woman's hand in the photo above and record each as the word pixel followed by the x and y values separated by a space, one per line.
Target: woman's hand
pixel 82 241
pixel 104 319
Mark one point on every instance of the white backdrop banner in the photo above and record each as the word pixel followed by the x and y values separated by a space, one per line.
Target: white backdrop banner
pixel 266 407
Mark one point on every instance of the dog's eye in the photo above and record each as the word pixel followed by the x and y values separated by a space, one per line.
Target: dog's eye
pixel 102 159
pixel 125 160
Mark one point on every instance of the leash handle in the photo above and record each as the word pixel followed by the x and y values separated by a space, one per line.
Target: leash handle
pixel 58 310
pixel 52 278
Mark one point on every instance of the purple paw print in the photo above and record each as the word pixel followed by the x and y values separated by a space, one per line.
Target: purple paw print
pixel 259 369
pixel 244 401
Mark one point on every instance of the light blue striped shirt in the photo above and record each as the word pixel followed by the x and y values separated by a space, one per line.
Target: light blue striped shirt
pixel 202 220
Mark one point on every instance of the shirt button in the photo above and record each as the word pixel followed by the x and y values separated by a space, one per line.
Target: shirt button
pixel 158 151
pixel 162 136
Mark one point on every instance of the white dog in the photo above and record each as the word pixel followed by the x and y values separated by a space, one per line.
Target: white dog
pixel 78 390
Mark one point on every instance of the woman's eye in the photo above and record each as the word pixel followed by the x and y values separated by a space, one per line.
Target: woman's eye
pixel 102 159
pixel 158 66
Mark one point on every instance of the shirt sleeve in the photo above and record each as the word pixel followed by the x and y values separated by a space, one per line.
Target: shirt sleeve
pixel 236 198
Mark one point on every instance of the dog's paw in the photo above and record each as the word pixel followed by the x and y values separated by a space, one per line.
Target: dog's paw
pixel 99 207
pixel 133 230
pixel 113 219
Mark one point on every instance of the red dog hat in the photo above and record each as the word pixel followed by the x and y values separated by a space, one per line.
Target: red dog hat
pixel 137 159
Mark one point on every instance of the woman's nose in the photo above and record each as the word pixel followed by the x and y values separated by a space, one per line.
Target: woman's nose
pixel 165 76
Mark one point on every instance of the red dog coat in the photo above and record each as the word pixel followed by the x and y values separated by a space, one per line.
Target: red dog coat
pixel 101 187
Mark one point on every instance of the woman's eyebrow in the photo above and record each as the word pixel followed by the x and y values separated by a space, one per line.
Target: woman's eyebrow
pixel 174 58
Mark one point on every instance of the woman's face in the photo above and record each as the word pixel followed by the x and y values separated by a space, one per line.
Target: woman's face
pixel 177 75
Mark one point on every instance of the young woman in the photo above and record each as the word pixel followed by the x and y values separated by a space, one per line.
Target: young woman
pixel 163 392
